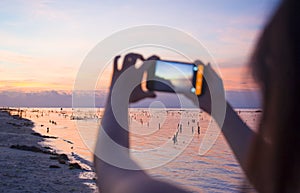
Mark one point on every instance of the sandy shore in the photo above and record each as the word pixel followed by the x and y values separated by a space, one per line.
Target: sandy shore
pixel 27 166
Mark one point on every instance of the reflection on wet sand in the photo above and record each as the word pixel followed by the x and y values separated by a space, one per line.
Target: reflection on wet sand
pixel 217 170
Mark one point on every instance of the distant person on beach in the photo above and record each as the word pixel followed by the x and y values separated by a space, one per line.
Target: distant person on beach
pixel 174 139
pixel 270 158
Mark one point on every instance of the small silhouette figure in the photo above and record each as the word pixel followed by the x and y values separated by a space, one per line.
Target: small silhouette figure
pixel 174 139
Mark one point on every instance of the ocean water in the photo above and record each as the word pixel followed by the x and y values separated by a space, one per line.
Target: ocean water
pixel 153 145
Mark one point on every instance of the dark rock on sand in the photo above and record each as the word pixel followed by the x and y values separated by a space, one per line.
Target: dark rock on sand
pixel 54 166
pixel 43 136
pixel 32 148
pixel 28 124
pixel 70 142
pixel 16 117
pixel 75 166
pixel 61 161
pixel 61 158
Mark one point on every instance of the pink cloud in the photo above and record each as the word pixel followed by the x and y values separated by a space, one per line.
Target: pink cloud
pixel 238 79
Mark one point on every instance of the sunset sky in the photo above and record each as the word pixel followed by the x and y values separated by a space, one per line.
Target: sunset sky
pixel 43 42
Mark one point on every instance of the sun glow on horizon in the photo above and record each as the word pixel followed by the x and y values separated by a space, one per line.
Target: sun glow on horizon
pixel 43 43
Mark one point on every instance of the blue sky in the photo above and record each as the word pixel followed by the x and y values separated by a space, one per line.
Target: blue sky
pixel 43 42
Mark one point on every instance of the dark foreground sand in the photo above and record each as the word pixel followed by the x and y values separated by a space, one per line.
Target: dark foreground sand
pixel 37 168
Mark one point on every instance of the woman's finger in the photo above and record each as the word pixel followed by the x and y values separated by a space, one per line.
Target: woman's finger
pixel 116 59
pixel 130 60
pixel 153 57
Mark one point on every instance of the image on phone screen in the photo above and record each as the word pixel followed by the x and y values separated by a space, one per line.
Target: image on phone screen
pixel 173 77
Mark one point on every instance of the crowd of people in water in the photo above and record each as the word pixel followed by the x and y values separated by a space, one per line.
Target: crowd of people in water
pixel 141 116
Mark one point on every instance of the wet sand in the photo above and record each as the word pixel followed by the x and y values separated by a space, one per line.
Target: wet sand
pixel 76 131
pixel 30 167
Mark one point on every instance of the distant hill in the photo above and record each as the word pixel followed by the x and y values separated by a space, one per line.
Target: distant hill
pixel 238 99
pixel 244 99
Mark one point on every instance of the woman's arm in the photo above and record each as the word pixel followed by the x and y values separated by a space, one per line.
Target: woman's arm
pixel 238 135
pixel 117 172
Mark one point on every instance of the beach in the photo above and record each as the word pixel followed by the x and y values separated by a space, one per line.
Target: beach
pixel 29 166
pixel 61 132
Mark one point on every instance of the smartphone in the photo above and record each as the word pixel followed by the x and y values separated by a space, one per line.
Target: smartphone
pixel 173 76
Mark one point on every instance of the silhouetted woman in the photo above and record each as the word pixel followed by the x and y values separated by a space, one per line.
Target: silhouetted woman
pixel 270 158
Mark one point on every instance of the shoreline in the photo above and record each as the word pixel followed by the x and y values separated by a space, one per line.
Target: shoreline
pixel 72 133
pixel 27 165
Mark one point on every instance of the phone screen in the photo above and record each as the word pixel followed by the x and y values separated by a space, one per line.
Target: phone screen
pixel 172 76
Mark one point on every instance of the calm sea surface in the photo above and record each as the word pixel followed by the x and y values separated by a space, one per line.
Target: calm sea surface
pixel 167 138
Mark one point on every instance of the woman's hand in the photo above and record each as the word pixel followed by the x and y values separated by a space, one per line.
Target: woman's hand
pixel 129 77
pixel 118 172
pixel 212 87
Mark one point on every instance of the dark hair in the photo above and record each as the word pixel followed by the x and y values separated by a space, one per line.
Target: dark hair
pixel 274 164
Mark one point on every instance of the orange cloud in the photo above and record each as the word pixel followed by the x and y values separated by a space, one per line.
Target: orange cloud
pixel 234 78
pixel 30 86
pixel 238 78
